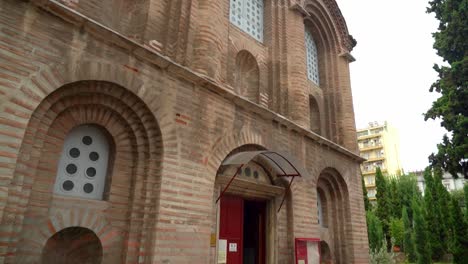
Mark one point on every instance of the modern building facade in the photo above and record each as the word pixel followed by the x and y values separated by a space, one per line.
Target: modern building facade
pixel 450 183
pixel 379 144
pixel 172 131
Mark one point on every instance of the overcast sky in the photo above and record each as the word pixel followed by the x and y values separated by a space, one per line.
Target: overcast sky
pixel 393 71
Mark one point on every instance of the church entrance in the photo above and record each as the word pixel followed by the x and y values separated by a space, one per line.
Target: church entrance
pixel 242 230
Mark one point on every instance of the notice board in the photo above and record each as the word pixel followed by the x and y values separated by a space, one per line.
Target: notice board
pixel 307 250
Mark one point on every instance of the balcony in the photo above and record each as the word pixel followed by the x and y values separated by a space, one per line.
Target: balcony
pixel 370 172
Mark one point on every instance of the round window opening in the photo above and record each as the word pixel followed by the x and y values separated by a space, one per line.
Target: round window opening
pixel 74 153
pixel 93 156
pixel 87 140
pixel 68 185
pixel 88 188
pixel 71 168
pixel 247 171
pixel 91 172
pixel 256 174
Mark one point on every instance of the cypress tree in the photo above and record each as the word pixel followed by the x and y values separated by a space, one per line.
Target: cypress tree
pixel 367 204
pixel 423 248
pixel 459 240
pixel 465 189
pixel 432 209
pixel 383 203
pixel 443 201
pixel 374 230
pixel 408 243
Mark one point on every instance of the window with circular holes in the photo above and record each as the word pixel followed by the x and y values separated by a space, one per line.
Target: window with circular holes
pixel 83 163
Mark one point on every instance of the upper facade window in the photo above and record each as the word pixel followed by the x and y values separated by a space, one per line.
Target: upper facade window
pixel 83 163
pixel 248 16
pixel 312 58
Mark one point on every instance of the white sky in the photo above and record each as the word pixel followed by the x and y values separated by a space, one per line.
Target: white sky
pixel 393 71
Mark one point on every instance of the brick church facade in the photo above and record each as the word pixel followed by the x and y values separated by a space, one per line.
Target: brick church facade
pixel 118 119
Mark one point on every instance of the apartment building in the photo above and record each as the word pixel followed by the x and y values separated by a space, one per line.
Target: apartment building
pixel 379 145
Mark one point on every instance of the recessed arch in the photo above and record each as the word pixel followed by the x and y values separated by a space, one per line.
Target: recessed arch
pixel 137 156
pixel 247 78
pixel 314 116
pixel 73 245
pixel 332 187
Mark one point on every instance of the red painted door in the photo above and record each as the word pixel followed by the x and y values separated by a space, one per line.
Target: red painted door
pixel 231 227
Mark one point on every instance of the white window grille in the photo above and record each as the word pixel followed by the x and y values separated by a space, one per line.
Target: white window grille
pixel 312 58
pixel 248 16
pixel 83 163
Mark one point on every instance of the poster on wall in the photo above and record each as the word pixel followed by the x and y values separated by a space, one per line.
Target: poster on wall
pixel 307 251
pixel 222 251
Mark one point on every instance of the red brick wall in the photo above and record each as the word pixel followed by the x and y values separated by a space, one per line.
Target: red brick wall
pixel 171 128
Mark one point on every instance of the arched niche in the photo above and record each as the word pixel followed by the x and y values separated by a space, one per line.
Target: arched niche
pixel 72 245
pixel 247 77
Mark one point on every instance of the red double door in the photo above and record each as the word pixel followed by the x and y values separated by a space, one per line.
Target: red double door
pixel 242 224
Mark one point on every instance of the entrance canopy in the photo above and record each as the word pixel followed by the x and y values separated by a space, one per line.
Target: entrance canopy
pixel 282 164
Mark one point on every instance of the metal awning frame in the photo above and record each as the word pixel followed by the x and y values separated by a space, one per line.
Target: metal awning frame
pixel 288 169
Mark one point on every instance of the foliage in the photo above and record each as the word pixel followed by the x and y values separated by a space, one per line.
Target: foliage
pixel 451 107
pixel 381 255
pixel 394 201
pixel 423 248
pixel 465 190
pixel 397 231
pixel 408 242
pixel 433 216
pixel 383 202
pixel 407 189
pixel 375 232
pixel 367 204
pixel 459 235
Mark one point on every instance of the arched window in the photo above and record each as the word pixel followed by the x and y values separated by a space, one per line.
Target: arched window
pixel 322 218
pixel 83 163
pixel 248 16
pixel 319 210
pixel 312 58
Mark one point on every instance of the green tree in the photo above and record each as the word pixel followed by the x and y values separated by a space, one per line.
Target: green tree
pixel 451 107
pixel 433 218
pixel 408 242
pixel 459 238
pixel 397 231
pixel 394 199
pixel 465 190
pixel 407 189
pixel 367 204
pixel 374 231
pixel 383 203
pixel 423 248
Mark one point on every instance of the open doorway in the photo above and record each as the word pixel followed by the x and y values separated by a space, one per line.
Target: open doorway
pixel 254 232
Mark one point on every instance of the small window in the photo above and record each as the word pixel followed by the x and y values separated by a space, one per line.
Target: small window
pixel 312 58
pixel 83 163
pixel 248 16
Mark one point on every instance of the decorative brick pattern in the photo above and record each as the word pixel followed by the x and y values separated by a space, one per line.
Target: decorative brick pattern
pixel 172 113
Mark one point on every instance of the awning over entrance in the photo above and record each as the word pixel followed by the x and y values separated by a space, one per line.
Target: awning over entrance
pixel 282 164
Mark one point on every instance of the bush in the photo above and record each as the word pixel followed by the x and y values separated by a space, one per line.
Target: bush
pixel 397 231
pixel 381 255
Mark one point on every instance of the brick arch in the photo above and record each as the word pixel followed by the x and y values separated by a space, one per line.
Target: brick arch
pixel 36 238
pixel 334 15
pixel 137 157
pixel 247 76
pixel 260 57
pixel 227 144
pixel 332 185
